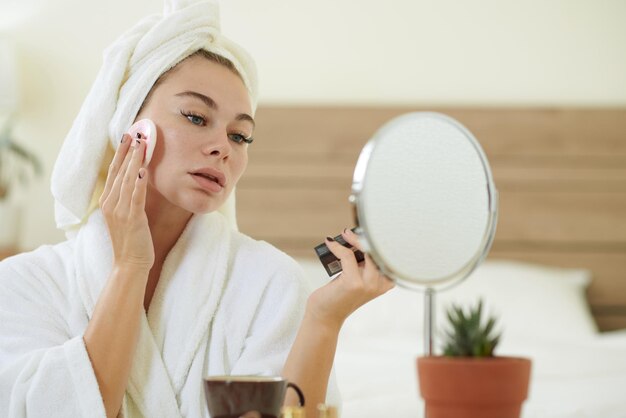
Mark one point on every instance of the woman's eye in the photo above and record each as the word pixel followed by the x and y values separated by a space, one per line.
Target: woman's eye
pixel 238 138
pixel 195 119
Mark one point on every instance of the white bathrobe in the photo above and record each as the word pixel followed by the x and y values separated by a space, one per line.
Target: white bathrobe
pixel 225 304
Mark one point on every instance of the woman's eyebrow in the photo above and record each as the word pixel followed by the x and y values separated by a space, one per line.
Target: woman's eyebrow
pixel 246 117
pixel 210 103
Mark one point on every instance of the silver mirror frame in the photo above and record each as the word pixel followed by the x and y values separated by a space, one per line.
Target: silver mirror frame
pixel 361 218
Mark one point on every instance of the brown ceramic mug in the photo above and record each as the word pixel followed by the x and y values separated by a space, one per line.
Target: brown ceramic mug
pixel 233 396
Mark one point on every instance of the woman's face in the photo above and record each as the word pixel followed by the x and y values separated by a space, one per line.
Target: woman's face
pixel 202 114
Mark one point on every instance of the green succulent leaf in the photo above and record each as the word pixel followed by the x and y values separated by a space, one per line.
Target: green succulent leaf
pixel 467 336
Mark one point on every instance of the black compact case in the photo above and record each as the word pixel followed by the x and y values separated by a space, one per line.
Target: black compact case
pixel 331 264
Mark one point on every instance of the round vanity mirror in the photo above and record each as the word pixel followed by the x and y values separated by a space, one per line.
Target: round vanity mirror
pixel 425 203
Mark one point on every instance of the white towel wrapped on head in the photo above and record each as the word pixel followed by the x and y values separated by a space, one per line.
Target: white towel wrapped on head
pixel 130 67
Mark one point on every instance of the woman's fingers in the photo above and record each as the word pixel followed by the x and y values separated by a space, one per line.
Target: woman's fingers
pixel 356 286
pixel 371 272
pixel 112 198
pixel 114 167
pixel 352 239
pixel 138 203
pixel 345 255
pixel 131 175
pixel 123 206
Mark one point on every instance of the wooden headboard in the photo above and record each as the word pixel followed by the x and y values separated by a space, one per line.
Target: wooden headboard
pixel 561 174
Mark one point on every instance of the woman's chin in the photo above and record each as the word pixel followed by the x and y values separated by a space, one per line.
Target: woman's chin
pixel 198 202
pixel 200 208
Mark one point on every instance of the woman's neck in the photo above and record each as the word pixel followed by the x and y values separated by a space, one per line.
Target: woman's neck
pixel 167 223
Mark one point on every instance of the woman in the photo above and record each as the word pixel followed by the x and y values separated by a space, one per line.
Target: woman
pixel 155 289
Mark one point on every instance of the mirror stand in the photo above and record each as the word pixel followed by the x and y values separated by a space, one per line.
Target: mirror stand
pixel 429 321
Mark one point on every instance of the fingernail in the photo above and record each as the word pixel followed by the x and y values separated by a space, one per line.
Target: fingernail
pixel 123 139
pixel 329 239
pixel 142 172
pixel 345 230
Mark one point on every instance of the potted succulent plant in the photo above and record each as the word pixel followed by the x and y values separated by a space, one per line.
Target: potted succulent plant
pixel 469 381
pixel 17 166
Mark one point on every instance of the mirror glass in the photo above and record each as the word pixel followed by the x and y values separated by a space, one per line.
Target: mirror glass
pixel 425 201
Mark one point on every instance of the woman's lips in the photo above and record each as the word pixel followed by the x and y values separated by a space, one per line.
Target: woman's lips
pixel 207 184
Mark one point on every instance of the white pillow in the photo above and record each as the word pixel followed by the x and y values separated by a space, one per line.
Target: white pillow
pixel 531 301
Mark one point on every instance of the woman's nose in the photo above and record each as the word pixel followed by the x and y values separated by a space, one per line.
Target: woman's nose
pixel 218 145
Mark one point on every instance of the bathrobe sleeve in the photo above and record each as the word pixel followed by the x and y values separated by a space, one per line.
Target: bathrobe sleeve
pixel 44 367
pixel 275 325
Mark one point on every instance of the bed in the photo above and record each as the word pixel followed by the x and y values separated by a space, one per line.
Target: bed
pixel 576 371
pixel 555 275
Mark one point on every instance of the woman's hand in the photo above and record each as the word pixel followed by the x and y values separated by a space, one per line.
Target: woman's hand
pixel 123 206
pixel 311 357
pixel 355 286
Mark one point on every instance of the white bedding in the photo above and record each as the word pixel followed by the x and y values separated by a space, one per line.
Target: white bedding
pixel 576 372
pixel 569 380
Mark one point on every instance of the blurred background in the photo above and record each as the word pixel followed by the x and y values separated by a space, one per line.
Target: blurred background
pixel 540 83
pixel 350 52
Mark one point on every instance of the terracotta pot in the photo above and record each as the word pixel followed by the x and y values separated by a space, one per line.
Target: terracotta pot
pixel 465 387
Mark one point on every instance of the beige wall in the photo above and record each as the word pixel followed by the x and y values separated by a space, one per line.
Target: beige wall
pixel 560 52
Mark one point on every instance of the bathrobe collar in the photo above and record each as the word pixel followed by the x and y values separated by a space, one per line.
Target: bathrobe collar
pixel 184 304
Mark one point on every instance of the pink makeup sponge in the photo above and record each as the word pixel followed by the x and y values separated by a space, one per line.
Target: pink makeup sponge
pixel 146 130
